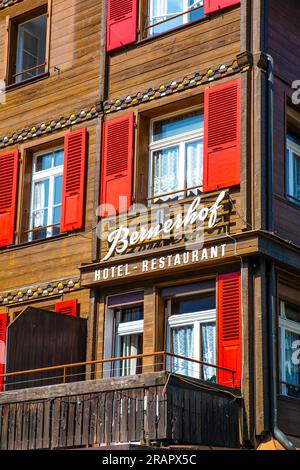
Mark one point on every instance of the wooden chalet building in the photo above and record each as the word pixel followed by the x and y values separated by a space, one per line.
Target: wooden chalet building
pixel 170 314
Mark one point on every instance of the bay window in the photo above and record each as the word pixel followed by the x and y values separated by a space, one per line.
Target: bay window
pixel 192 334
pixel 167 14
pixel 293 169
pixel 176 156
pixel 289 339
pixel 46 194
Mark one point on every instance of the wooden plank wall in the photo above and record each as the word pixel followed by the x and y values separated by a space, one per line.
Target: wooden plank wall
pixel 57 258
pixel 153 62
pixel 74 48
pixel 284 16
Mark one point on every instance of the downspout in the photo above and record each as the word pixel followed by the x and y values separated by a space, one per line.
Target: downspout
pixel 277 433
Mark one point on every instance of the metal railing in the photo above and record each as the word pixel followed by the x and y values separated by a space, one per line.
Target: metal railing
pixel 168 362
pixel 31 69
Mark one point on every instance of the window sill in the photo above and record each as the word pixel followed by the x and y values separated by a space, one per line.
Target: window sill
pixel 13 86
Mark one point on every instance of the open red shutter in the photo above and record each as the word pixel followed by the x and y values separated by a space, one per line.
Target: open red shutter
pixel 67 307
pixel 3 326
pixel 210 6
pixel 74 181
pixel 230 328
pixel 222 136
pixel 117 165
pixel 9 173
pixel 121 23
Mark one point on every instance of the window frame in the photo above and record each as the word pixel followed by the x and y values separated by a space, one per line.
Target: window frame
pixel 291 149
pixel 113 333
pixel 196 319
pixel 40 176
pixel 179 141
pixel 11 44
pixel 284 325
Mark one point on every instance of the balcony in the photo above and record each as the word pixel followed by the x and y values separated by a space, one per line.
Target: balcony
pixel 155 407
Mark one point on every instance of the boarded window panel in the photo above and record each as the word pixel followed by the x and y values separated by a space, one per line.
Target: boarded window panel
pixel 67 307
pixel 211 6
pixel 9 173
pixel 74 181
pixel 117 165
pixel 230 328
pixel 121 23
pixel 222 136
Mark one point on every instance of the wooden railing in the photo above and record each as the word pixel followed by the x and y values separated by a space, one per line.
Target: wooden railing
pixel 162 360
pixel 148 408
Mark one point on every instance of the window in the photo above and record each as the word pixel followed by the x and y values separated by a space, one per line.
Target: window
pixel 293 168
pixel 192 334
pixel 289 327
pixel 129 326
pixel 124 327
pixel 168 14
pixel 176 156
pixel 28 38
pixel 46 194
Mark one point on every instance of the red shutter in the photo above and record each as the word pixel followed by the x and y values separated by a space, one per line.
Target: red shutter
pixel 210 6
pixel 9 174
pixel 222 136
pixel 121 23
pixel 67 307
pixel 230 328
pixel 117 164
pixel 74 181
pixel 3 326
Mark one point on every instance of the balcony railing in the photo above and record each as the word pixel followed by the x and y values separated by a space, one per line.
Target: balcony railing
pixel 81 371
pixel 156 407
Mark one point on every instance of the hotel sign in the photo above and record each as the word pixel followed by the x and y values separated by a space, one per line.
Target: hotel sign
pixel 183 222
pixel 160 263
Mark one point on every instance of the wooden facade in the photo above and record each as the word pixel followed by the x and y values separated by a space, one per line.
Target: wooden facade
pixel 112 88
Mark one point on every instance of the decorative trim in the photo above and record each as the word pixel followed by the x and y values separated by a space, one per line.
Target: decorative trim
pixel 8 3
pixel 189 81
pixel 51 126
pixel 37 292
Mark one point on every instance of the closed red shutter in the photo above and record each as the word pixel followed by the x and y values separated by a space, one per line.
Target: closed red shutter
pixel 3 326
pixel 117 165
pixel 229 328
pixel 210 6
pixel 121 23
pixel 72 216
pixel 9 174
pixel 67 307
pixel 222 136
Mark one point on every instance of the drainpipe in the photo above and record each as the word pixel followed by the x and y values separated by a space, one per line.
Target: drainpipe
pixel 277 433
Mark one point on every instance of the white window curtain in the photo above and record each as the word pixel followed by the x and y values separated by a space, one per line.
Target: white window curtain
pixel 166 171
pixel 39 204
pixel 183 345
pixel 129 348
pixel 194 164
pixel 209 350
